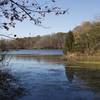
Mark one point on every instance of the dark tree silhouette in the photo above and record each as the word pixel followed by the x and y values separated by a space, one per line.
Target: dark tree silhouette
pixel 18 10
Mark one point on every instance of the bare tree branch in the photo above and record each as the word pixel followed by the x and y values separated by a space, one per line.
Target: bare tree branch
pixel 18 10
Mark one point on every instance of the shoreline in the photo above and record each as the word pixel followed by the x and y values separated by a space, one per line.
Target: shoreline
pixel 73 59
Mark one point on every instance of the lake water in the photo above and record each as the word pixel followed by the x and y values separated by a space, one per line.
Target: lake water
pixel 36 52
pixel 34 78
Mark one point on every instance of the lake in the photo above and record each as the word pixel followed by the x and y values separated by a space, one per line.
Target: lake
pixel 36 52
pixel 34 78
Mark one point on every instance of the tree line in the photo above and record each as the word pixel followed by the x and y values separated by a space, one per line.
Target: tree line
pixel 84 39
pixel 53 41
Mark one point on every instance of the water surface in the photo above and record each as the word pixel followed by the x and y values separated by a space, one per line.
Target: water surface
pixel 30 78
pixel 36 52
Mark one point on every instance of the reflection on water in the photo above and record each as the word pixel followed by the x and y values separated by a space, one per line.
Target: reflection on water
pixel 36 52
pixel 69 73
pixel 9 87
pixel 48 79
pixel 85 79
pixel 91 78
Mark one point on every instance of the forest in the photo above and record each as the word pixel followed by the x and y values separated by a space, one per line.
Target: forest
pixel 84 39
pixel 53 41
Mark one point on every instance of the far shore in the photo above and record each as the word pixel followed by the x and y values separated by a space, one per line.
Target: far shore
pixel 82 60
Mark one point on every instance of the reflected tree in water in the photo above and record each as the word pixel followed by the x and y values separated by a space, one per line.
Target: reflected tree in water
pixel 10 89
pixel 69 73
pixel 91 77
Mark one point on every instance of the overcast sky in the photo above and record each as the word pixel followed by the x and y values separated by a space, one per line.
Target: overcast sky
pixel 80 10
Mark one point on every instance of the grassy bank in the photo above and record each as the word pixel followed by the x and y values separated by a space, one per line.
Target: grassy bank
pixel 83 60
